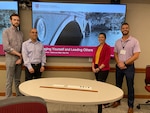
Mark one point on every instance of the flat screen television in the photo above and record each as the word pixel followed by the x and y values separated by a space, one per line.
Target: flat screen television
pixel 72 29
pixel 6 9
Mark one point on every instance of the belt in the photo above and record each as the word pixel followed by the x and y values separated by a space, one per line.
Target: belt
pixel 129 64
pixel 36 64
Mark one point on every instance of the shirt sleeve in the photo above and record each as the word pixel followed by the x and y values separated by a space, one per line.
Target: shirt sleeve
pixel 26 59
pixel 107 55
pixel 115 47
pixel 43 57
pixel 5 40
pixel 137 47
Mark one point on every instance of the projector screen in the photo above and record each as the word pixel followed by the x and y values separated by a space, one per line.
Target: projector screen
pixel 6 9
pixel 72 29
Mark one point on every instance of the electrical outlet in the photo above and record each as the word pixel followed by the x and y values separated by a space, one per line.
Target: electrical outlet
pixel 90 59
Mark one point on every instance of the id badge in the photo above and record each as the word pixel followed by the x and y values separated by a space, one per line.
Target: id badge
pixel 123 52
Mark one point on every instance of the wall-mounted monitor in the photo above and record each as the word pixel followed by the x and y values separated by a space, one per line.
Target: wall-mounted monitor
pixel 72 29
pixel 6 9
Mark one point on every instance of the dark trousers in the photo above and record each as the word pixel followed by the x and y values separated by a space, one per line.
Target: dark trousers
pixel 35 75
pixel 101 76
pixel 100 108
pixel 129 74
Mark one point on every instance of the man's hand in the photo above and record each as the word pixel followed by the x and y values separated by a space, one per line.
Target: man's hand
pixel 42 69
pixel 121 65
pixel 19 61
pixel 31 70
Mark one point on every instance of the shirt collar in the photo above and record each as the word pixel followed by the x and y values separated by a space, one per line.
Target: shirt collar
pixel 32 42
pixel 13 28
pixel 127 39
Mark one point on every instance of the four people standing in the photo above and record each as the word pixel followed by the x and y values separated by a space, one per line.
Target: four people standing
pixel 126 51
pixel 100 63
pixel 12 40
pixel 33 56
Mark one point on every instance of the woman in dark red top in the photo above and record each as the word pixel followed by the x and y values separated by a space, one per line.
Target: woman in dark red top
pixel 100 63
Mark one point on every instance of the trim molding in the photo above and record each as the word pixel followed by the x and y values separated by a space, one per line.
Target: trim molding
pixel 80 68
pixel 75 68
pixel 83 68
pixel 3 94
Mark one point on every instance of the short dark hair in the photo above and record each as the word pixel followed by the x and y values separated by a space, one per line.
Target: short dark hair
pixel 14 14
pixel 125 23
pixel 103 34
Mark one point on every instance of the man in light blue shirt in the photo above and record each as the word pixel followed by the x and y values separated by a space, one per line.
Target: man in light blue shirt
pixel 34 56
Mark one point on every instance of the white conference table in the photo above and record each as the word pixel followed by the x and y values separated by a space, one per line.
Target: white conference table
pixel 71 90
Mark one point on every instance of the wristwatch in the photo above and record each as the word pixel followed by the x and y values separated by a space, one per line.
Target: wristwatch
pixel 125 64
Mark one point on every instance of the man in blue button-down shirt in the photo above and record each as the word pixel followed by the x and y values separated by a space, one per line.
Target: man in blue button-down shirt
pixel 33 56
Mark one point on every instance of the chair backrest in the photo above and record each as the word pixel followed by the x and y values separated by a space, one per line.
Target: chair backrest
pixel 23 104
pixel 147 77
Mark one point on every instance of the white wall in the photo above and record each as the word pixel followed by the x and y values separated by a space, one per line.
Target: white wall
pixel 138 17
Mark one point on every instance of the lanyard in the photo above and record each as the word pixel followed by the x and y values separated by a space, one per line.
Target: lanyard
pixel 123 43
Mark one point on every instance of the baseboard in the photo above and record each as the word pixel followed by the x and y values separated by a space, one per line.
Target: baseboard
pixel 3 94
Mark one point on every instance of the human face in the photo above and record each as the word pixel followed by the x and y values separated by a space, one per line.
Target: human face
pixel 33 34
pixel 101 39
pixel 15 21
pixel 125 29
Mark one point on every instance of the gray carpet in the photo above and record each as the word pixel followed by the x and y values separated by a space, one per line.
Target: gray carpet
pixel 63 108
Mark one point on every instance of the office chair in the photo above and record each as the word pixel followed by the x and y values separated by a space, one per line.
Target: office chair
pixel 147 85
pixel 23 104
